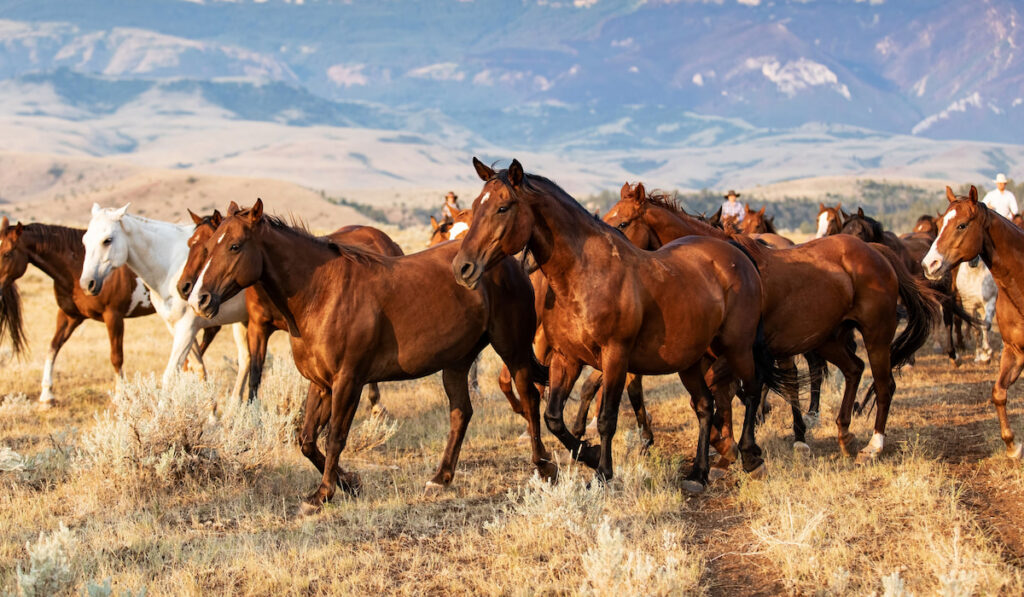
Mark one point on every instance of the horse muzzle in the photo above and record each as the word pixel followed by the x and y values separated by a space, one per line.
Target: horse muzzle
pixel 91 285
pixel 207 304
pixel 467 273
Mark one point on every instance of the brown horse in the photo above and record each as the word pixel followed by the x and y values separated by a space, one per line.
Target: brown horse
pixel 755 222
pixel 59 253
pixel 911 251
pixel 926 225
pixel 356 317
pixel 815 295
pixel 618 309
pixel 264 318
pixel 969 229
pixel 1018 221
pixel 450 228
pixel 830 220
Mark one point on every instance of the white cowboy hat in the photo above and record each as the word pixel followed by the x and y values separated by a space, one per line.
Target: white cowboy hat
pixel 1000 178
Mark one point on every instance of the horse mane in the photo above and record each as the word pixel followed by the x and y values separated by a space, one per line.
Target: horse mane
pixel 536 184
pixel 298 228
pixel 874 225
pixel 670 203
pixel 57 239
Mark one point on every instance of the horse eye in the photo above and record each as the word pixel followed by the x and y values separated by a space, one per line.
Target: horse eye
pixel 235 247
pixel 962 226
pixel 503 209
pixel 108 242
pixel 622 225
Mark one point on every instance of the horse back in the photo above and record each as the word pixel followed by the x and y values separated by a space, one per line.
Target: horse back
pixel 366 237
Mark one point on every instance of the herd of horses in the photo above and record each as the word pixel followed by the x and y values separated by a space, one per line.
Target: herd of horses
pixel 727 305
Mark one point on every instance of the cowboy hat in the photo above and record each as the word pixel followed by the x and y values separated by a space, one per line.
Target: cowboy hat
pixel 731 193
pixel 1000 178
pixel 452 195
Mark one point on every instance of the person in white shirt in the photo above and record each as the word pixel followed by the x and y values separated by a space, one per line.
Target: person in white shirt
pixel 732 207
pixel 1000 200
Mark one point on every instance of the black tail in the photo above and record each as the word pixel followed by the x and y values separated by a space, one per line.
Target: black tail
pixel 767 370
pixel 922 305
pixel 10 318
pixel 539 371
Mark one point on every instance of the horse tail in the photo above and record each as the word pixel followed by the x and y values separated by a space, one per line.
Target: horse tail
pixel 921 303
pixel 767 370
pixel 11 323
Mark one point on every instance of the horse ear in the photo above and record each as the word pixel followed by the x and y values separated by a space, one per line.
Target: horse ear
pixel 625 191
pixel 860 212
pixel 434 224
pixel 821 207
pixel 515 173
pixel 96 209
pixel 233 209
pixel 256 211
pixel 761 212
pixel 716 217
pixel 216 218
pixel 641 194
pixel 950 195
pixel 4 224
pixel 484 171
pixel 195 219
pixel 974 194
pixel 119 213
pixel 18 229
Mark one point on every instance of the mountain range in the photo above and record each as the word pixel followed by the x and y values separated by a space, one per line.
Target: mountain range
pixel 375 94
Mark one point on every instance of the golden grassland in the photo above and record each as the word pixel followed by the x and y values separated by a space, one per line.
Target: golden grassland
pixel 84 503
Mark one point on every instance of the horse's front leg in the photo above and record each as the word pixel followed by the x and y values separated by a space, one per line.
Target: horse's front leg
pixel 614 361
pixel 562 377
pixel 460 411
pixel 184 335
pixel 344 400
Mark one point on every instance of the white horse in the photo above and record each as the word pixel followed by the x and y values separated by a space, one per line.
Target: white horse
pixel 156 252
pixel 977 291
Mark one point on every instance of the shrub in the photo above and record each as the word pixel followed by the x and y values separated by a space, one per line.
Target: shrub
pixel 49 570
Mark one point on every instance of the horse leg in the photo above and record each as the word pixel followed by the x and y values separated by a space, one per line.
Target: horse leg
pixel 316 413
pixel 563 376
pixel 613 364
pixel 373 395
pixel 523 377
pixel 257 334
pixel 793 397
pixel 344 400
pixel 877 347
pixel 816 367
pixel 635 392
pixel 842 354
pixel 591 386
pixel 947 331
pixel 115 332
pixel 505 384
pixel 700 397
pixel 460 411
pixel 242 345
pixel 184 336
pixel 741 361
pixel 66 325
pixel 722 384
pixel 1010 366
pixel 474 383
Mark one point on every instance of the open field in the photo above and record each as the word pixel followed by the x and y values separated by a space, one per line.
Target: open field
pixel 939 513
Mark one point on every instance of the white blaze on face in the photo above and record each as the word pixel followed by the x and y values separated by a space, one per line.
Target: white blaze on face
pixel 486 196
pixel 934 260
pixel 457 229
pixel 193 299
pixel 221 238
pixel 822 224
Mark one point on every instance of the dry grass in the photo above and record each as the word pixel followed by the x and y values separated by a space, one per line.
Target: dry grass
pixel 939 514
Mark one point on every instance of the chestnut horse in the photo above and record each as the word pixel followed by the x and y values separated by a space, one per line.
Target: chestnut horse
pixel 619 309
pixel 816 294
pixel 969 229
pixel 264 318
pixel 830 220
pixel 356 317
pixel 450 228
pixel 59 253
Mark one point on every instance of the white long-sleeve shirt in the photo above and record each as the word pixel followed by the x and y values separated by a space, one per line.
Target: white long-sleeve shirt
pixel 1002 202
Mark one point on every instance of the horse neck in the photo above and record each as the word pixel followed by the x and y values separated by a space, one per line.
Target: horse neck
pixel 63 266
pixel 668 226
pixel 157 251
pixel 560 232
pixel 1002 250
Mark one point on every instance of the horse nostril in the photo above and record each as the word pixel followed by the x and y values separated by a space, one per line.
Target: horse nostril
pixel 466 270
pixel 186 288
pixel 92 285
pixel 204 299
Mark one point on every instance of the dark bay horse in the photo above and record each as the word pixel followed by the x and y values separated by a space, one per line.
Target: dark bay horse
pixel 59 253
pixel 968 229
pixel 618 309
pixel 356 317
pixel 264 318
pixel 816 294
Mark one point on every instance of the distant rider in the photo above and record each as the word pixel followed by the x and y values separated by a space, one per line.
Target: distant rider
pixel 1000 200
pixel 732 207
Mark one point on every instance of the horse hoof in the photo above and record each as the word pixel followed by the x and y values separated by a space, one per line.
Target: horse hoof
pixel 379 411
pixel 760 472
pixel 548 472
pixel 866 456
pixel 954 363
pixel 589 455
pixel 1016 453
pixel 715 473
pixel 801 448
pixel 46 404
pixel 691 486
pixel 433 489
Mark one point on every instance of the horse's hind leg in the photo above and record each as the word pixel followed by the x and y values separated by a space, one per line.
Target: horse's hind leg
pixel 522 375
pixel 563 376
pixel 257 333
pixel 505 385
pixel 591 386
pixel 344 399
pixel 841 352
pixel 816 368
pixel 1010 366
pixel 66 325
pixel 877 346
pixel 703 403
pixel 635 392
pixel 238 331
pixel 947 330
pixel 460 411
pixel 741 361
